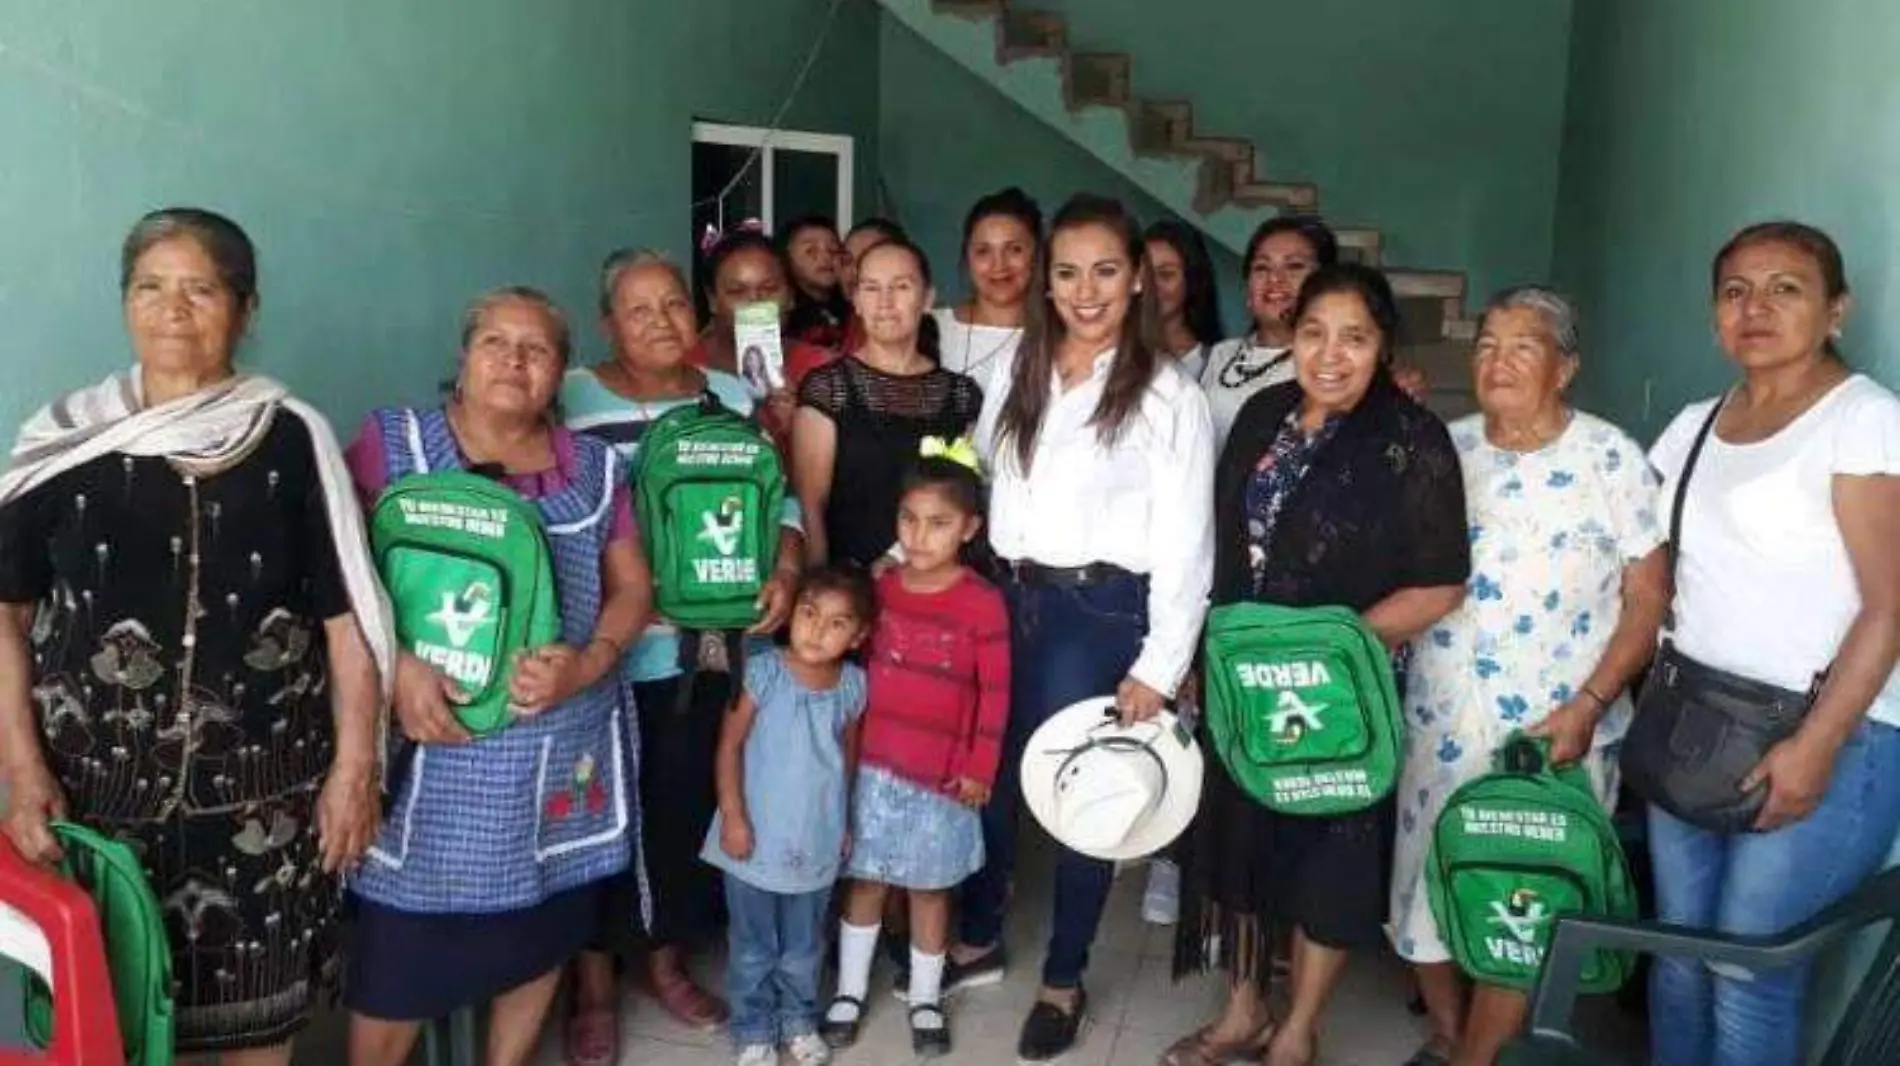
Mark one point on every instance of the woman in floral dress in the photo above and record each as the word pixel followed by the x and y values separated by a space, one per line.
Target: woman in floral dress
pixel 1566 595
pixel 182 581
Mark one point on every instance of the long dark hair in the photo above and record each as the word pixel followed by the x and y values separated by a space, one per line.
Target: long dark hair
pixel 1316 233
pixel 1135 352
pixel 1200 304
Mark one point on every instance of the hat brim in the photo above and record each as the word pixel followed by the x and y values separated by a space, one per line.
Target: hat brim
pixel 1071 727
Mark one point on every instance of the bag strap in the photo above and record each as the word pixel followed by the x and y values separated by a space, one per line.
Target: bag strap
pixel 1682 500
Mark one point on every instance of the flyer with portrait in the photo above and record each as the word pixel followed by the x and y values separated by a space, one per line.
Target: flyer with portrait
pixel 760 352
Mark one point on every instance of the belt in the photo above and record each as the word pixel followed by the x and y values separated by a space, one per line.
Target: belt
pixel 1030 572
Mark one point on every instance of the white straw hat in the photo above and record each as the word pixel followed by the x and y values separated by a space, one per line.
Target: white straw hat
pixel 1107 791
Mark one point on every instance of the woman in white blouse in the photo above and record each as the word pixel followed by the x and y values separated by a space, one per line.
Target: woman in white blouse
pixel 1280 255
pixel 1101 453
pixel 1000 236
pixel 1787 575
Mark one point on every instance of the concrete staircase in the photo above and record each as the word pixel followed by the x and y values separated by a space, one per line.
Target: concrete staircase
pixel 1218 183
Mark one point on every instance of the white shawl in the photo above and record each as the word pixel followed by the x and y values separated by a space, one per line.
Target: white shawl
pixel 203 433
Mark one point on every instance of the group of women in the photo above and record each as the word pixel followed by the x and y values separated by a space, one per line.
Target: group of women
pixel 196 658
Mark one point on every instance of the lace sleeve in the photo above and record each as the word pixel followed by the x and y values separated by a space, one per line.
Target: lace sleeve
pixel 824 390
pixel 1434 493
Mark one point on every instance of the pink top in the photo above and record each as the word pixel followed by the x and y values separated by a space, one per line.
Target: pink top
pixel 369 469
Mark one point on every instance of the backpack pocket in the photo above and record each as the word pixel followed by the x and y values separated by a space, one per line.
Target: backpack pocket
pixel 1503 917
pixel 1301 710
pixel 451 612
pixel 718 533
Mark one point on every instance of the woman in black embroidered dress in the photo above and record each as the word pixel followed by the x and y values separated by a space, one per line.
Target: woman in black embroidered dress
pixel 180 663
pixel 1334 489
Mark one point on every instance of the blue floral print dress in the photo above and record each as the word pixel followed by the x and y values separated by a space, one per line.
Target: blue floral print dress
pixel 1551 534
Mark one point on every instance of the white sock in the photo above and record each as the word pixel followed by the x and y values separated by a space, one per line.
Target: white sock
pixel 857 946
pixel 926 977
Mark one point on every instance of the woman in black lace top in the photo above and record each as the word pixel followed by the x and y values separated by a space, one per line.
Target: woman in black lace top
pixel 1334 489
pixel 860 419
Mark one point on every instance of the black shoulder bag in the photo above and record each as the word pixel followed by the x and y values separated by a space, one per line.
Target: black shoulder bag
pixel 1699 731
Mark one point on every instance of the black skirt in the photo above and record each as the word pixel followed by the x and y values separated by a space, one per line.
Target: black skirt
pixel 1247 871
pixel 417 967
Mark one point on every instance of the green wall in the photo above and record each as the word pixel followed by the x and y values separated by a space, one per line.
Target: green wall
pixel 1436 122
pixel 1687 120
pixel 946 138
pixel 390 160
pixel 1691 118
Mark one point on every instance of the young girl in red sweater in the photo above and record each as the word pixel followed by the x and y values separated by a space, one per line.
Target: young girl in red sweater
pixel 933 734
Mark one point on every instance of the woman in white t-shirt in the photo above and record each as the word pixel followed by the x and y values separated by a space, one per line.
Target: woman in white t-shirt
pixel 1280 255
pixel 1000 237
pixel 1788 568
pixel 1186 293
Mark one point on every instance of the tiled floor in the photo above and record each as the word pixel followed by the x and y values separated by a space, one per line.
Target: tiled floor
pixel 1136 1010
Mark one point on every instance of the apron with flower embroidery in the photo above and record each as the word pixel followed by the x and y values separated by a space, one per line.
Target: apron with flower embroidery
pixel 542 806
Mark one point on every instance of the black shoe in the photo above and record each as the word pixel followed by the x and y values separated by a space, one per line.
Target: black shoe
pixel 841 1034
pixel 1050 1030
pixel 985 969
pixel 929 1041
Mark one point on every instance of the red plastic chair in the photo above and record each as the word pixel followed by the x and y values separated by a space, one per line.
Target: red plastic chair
pixel 85 1019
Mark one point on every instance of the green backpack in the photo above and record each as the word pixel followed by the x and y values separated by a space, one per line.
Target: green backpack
pixel 1515 850
pixel 133 927
pixel 471 579
pixel 709 488
pixel 1302 707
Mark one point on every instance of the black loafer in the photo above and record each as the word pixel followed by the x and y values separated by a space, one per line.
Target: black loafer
pixel 985 969
pixel 1049 1030
pixel 838 1035
pixel 929 1041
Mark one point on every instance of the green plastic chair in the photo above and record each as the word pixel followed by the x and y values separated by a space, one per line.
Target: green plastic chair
pixel 137 955
pixel 1868 1033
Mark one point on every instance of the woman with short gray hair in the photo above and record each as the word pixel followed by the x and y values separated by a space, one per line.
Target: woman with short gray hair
pixel 190 632
pixel 1566 595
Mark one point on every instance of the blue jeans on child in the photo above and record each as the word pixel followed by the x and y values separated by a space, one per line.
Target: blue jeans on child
pixel 1761 884
pixel 1068 644
pixel 777 947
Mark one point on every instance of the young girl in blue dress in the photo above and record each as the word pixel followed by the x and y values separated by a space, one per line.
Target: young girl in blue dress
pixel 788 750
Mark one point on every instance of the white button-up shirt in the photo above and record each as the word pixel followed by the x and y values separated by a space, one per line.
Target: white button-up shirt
pixel 1144 503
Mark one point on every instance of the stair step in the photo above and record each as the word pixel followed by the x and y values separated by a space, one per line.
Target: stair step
pixel 1101 79
pixel 1446 284
pixel 1291 197
pixel 1359 245
pixel 1157 127
pixel 1232 149
pixel 1032 33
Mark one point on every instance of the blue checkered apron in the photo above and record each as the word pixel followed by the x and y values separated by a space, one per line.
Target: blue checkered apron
pixel 546 804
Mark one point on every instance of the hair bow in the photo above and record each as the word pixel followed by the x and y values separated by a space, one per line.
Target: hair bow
pixel 714 235
pixel 959 451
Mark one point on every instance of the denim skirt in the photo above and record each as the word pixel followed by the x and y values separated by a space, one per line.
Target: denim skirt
pixel 910 836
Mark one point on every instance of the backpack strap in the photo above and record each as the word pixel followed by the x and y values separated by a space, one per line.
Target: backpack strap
pixel 1682 500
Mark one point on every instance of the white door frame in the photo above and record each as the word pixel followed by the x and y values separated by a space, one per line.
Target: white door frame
pixel 766 141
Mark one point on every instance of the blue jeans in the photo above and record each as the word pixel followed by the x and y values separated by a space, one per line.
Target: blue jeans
pixel 1065 644
pixel 777 946
pixel 1761 884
